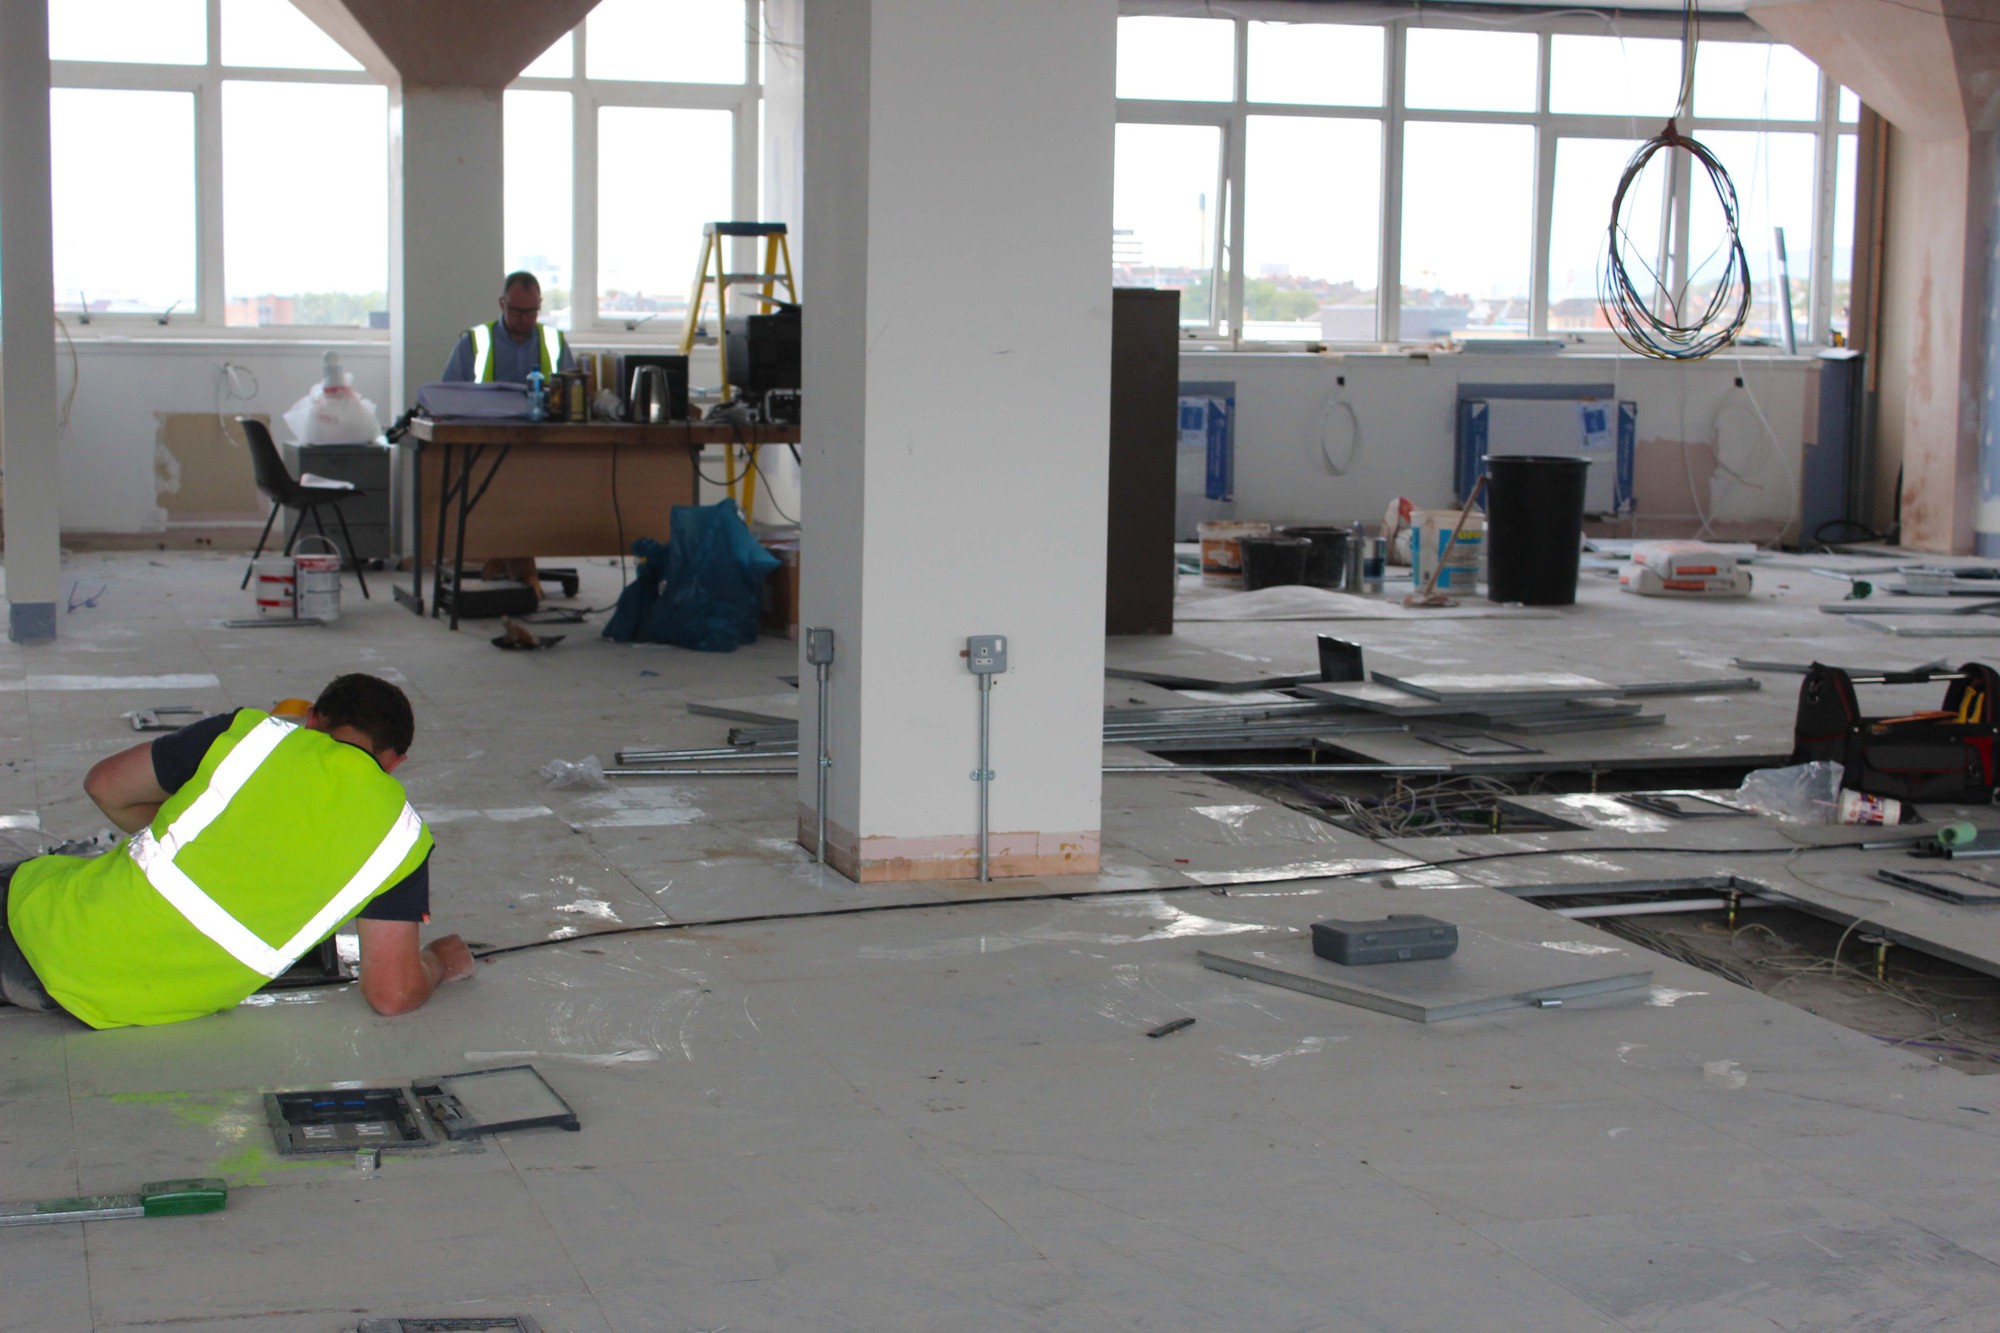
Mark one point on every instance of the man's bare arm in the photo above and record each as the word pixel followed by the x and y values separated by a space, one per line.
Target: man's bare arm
pixel 396 975
pixel 126 788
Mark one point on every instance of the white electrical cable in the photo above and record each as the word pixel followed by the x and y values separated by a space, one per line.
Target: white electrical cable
pixel 229 382
pixel 1792 480
pixel 1333 400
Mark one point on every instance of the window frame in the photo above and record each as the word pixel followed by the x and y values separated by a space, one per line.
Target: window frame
pixel 204 81
pixel 1224 327
pixel 587 97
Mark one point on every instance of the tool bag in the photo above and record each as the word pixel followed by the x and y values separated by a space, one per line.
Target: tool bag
pixel 1941 754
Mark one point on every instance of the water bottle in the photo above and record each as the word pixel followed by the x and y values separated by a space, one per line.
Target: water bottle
pixel 538 404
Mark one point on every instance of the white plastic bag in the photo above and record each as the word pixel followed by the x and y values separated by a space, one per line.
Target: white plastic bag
pixel 1803 793
pixel 332 413
pixel 586 773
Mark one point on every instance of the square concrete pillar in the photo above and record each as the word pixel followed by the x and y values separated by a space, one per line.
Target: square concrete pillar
pixel 958 159
pixel 29 447
pixel 446 243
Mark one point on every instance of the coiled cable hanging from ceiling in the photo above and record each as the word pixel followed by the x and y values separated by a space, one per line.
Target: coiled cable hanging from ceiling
pixel 1672 334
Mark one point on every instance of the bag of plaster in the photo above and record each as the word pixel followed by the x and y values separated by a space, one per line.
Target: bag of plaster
pixel 332 412
pixel 702 589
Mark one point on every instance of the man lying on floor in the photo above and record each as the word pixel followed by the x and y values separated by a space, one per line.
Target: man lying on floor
pixel 254 839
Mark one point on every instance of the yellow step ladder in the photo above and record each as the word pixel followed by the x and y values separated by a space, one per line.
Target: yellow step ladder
pixel 713 268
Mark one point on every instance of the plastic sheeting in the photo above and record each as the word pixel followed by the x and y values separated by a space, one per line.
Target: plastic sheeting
pixel 699 589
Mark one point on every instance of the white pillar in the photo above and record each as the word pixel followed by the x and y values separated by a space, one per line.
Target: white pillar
pixel 957 384
pixel 29 448
pixel 446 248
pixel 29 445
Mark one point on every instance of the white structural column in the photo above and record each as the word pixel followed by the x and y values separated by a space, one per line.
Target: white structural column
pixel 958 158
pixel 446 252
pixel 29 448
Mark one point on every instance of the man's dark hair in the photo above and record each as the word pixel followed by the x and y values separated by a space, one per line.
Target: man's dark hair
pixel 373 707
pixel 521 278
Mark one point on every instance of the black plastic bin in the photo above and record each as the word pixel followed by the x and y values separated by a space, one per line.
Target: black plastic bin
pixel 1534 528
pixel 1273 562
pixel 1326 563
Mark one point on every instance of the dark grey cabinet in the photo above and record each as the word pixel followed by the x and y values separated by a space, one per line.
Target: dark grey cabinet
pixel 367 466
pixel 1145 385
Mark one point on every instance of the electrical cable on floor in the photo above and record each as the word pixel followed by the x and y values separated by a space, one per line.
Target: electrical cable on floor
pixel 1674 336
pixel 869 909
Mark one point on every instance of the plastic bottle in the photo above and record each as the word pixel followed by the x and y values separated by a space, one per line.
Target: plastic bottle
pixel 538 403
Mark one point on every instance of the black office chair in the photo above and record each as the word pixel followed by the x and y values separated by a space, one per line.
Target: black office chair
pixel 277 485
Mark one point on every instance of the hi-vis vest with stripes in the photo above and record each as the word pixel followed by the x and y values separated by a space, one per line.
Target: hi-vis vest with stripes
pixel 282 834
pixel 482 336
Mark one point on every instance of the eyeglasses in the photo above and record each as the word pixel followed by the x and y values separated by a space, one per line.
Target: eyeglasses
pixel 525 311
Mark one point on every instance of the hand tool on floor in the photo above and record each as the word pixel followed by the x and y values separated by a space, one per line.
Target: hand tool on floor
pixel 1430 596
pixel 159 1198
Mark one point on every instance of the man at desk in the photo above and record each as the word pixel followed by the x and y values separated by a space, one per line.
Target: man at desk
pixel 508 348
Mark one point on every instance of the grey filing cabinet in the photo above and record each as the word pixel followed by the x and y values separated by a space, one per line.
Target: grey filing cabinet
pixel 1145 406
pixel 368 467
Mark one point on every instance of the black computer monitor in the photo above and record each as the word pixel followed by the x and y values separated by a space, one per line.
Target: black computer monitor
pixel 762 351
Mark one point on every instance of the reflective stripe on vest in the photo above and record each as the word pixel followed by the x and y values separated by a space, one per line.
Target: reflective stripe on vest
pixel 483 361
pixel 155 858
pixel 482 353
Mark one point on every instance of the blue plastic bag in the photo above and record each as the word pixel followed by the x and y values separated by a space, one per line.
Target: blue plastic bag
pixel 701 588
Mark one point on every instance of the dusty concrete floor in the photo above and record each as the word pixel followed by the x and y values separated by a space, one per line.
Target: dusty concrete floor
pixel 947 1114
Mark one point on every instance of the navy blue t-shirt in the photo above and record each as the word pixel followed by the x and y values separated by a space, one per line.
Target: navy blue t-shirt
pixel 176 759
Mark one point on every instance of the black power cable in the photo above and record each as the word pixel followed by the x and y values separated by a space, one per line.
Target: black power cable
pixel 709 923
pixel 1675 334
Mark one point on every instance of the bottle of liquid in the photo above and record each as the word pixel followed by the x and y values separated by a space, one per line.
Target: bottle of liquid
pixel 1375 568
pixel 538 405
pixel 1357 555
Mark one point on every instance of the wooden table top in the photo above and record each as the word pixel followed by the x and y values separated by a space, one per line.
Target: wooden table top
pixel 597 432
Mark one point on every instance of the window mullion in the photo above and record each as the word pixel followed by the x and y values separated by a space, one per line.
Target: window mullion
pixel 1229 250
pixel 583 205
pixel 211 289
pixel 1545 207
pixel 1389 281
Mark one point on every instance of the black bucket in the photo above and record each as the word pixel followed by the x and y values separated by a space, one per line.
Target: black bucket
pixel 1534 528
pixel 1326 563
pixel 1272 562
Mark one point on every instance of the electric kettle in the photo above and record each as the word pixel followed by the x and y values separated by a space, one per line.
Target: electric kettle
pixel 649 401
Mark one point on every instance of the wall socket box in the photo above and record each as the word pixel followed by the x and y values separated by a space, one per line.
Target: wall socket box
pixel 986 654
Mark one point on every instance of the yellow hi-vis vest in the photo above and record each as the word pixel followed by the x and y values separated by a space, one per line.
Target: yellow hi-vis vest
pixel 482 336
pixel 282 834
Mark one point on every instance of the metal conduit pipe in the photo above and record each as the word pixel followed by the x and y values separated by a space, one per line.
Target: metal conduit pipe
pixel 1663 908
pixel 1386 770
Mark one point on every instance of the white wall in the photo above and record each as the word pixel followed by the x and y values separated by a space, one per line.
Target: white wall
pixel 108 480
pixel 1404 407
pixel 1693 424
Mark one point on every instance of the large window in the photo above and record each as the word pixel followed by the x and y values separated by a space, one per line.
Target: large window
pixel 1279 173
pixel 225 164
pixel 622 140
pixel 214 162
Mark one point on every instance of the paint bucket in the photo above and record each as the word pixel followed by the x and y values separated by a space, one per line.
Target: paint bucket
pixel 318 574
pixel 1326 563
pixel 1274 562
pixel 1222 549
pixel 1431 532
pixel 274 583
